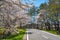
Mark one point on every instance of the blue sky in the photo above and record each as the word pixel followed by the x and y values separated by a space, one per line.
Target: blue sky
pixel 36 3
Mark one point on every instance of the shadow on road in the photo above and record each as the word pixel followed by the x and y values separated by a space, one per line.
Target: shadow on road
pixel 28 32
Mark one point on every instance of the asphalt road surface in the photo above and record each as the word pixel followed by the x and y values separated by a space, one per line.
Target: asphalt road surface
pixel 35 34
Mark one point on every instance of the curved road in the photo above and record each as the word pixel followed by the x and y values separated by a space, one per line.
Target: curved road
pixel 39 35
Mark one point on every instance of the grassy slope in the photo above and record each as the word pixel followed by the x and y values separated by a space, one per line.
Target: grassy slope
pixel 53 32
pixel 17 36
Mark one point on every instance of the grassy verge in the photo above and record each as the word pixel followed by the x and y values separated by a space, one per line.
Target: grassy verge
pixel 17 36
pixel 52 31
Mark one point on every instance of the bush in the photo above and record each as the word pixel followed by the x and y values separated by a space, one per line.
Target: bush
pixel 1 31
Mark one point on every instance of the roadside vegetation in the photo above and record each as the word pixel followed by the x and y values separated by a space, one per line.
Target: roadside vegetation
pixel 12 16
pixel 49 18
pixel 53 32
pixel 18 36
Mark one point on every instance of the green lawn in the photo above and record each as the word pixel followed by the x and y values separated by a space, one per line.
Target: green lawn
pixel 53 32
pixel 17 36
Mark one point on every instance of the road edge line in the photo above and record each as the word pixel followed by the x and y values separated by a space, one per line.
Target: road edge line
pixel 27 36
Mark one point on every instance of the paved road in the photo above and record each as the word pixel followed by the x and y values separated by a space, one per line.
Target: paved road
pixel 40 35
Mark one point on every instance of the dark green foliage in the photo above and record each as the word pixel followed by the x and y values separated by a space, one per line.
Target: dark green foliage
pixel 0 0
pixel 32 11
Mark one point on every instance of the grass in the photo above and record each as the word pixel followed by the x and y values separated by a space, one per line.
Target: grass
pixel 16 36
pixel 52 31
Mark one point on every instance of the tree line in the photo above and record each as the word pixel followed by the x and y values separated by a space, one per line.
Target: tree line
pixel 12 16
pixel 52 16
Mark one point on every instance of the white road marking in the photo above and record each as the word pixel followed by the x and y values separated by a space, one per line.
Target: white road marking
pixel 45 37
pixel 27 36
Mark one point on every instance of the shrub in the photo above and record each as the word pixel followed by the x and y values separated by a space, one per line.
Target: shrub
pixel 1 31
